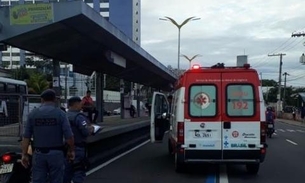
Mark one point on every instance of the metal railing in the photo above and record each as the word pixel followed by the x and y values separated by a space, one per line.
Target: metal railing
pixel 14 110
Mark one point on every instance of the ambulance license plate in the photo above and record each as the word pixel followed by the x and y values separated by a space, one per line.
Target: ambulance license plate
pixel 270 126
pixel 6 168
pixel 199 134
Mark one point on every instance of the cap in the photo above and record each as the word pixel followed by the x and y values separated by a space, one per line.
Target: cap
pixel 48 94
pixel 72 100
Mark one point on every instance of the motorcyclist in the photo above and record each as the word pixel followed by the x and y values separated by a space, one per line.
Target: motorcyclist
pixel 270 117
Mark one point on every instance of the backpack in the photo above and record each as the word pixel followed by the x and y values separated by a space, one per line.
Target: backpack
pixel 269 116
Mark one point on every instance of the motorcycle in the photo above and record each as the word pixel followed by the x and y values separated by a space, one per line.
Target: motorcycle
pixel 11 169
pixel 270 129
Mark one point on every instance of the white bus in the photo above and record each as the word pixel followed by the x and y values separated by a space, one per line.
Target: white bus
pixel 12 106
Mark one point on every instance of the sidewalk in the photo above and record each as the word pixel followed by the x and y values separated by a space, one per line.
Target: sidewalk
pixel 291 122
pixel 113 121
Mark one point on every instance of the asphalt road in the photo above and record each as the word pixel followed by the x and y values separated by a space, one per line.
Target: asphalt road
pixel 150 163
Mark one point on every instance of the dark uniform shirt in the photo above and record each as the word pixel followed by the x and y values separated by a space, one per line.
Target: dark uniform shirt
pixel 79 125
pixel 48 125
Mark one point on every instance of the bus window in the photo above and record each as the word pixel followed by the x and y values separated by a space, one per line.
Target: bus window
pixel 1 87
pixel 11 88
pixel 22 89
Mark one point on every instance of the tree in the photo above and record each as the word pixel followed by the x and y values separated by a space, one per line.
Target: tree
pixel 112 83
pixel 269 82
pixel 43 65
pixel 37 83
pixel 21 73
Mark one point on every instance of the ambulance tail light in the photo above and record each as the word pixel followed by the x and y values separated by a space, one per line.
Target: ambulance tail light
pixel 263 132
pixel 180 134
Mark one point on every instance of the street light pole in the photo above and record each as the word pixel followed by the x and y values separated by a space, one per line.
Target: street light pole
pixel 179 26
pixel 191 59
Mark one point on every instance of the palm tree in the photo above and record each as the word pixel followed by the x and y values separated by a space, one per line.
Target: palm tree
pixel 37 83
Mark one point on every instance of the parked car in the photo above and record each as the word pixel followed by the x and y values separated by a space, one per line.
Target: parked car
pixel 117 111
pixel 108 113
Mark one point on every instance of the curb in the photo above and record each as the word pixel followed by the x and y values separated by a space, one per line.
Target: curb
pixel 293 124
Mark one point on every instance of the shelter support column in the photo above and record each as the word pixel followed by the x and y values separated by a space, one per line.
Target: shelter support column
pixel 99 88
pixel 138 99
pixel 99 78
pixel 0 56
pixel 122 98
pixel 56 77
pixel 22 52
pixel 0 51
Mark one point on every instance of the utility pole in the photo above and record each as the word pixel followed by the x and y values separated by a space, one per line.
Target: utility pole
pixel 280 80
pixel 284 96
pixel 261 74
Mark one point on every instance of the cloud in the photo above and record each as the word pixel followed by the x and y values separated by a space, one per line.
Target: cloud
pixel 227 29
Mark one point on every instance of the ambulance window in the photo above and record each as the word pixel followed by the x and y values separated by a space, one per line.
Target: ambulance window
pixel 2 87
pixel 202 101
pixel 161 105
pixel 240 100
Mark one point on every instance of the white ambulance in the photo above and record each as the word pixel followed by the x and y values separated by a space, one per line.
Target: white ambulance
pixel 217 116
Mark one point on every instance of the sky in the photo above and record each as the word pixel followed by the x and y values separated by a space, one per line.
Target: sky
pixel 228 28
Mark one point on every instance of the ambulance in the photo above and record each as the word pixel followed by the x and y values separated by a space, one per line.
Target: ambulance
pixel 217 116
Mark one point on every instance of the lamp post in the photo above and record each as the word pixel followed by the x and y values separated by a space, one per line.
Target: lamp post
pixel 179 26
pixel 191 59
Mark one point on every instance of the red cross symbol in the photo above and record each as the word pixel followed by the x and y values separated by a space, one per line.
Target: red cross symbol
pixel 201 100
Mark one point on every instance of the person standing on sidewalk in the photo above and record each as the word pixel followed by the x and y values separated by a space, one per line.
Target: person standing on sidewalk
pixel 88 106
pixel 48 125
pixel 303 112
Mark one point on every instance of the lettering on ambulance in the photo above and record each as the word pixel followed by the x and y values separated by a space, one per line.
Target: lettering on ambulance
pixel 240 100
pixel 221 80
pixel 238 145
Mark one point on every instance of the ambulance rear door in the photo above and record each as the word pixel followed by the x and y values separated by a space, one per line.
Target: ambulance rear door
pixel 241 119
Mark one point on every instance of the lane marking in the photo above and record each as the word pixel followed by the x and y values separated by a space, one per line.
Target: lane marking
pixel 223 177
pixel 302 131
pixel 289 130
pixel 115 158
pixel 274 133
pixel 281 130
pixel 211 179
pixel 291 142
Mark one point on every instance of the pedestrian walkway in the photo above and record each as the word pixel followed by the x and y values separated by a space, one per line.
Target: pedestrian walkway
pixel 114 121
pixel 291 122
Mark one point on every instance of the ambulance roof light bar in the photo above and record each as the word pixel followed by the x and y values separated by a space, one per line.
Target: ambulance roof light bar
pixel 196 66
pixel 247 66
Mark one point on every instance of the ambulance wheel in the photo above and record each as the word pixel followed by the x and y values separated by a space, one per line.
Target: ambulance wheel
pixel 179 164
pixel 170 148
pixel 252 168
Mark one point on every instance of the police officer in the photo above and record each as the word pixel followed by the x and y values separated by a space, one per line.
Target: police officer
pixel 81 129
pixel 48 125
